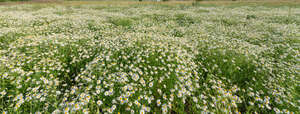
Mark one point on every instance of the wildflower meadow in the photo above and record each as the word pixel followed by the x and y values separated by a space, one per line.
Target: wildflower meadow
pixel 149 58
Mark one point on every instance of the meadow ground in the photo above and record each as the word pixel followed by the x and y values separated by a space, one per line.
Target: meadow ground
pixel 146 57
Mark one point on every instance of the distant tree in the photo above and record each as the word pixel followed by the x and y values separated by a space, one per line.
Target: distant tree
pixel 140 0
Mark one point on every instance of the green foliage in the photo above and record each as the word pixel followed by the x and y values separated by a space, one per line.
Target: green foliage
pixel 251 17
pixel 177 33
pixel 8 38
pixel 183 20
pixel 124 22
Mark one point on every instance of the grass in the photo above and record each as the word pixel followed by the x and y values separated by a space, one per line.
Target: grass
pixel 149 57
pixel 124 22
pixel 205 3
